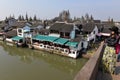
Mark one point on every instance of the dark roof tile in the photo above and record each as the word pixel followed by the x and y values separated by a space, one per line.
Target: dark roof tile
pixel 11 33
pixel 62 27
pixel 88 27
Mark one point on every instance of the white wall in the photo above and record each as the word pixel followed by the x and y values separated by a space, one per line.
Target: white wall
pixel 92 35
pixel 54 35
pixel 85 44
pixel 79 45
pixel 9 40
pixel 20 34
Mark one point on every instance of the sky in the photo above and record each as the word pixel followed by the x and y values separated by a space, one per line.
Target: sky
pixel 47 9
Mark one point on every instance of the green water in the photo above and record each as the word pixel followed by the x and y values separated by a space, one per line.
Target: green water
pixel 27 64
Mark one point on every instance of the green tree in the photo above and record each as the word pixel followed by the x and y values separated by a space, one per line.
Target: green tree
pixel 26 17
pixel 35 18
pixel 82 19
pixel 19 18
pixel 87 16
pixel 91 18
pixel 23 18
pixel 6 18
pixel 112 22
pixel 30 19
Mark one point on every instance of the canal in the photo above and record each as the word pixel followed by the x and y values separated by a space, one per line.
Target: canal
pixel 27 64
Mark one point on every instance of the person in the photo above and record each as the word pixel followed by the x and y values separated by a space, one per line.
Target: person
pixel 109 56
pixel 118 51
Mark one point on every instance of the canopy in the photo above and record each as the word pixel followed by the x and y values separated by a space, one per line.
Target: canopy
pixel 61 41
pixel 39 37
pixel 16 38
pixel 45 38
pixel 51 38
pixel 72 44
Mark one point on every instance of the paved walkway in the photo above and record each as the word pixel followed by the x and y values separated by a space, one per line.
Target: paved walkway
pixel 117 77
pixel 105 76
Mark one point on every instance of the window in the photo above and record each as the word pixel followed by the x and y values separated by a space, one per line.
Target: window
pixel 67 34
pixel 48 47
pixel 82 44
pixel 66 51
pixel 62 49
pixel 73 52
pixel 45 46
pixel 20 34
pixel 52 47
pixel 40 45
pixel 57 49
pixel 19 30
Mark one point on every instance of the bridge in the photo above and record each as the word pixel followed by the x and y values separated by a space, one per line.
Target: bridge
pixel 91 71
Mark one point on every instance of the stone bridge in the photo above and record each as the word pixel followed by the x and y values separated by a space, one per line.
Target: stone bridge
pixel 90 70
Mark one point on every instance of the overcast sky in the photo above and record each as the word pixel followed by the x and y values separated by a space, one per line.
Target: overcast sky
pixel 100 9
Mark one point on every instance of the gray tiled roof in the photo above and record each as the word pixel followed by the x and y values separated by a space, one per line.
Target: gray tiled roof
pixel 88 27
pixel 62 27
pixel 11 33
pixel 19 24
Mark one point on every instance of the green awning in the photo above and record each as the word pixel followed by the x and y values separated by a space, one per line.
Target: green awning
pixel 50 38
pixel 16 38
pixel 72 44
pixel 39 37
pixel 45 38
pixel 61 41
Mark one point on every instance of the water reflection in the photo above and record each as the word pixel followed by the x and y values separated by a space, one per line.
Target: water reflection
pixel 28 56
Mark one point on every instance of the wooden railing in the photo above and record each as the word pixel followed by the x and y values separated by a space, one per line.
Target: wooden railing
pixel 90 69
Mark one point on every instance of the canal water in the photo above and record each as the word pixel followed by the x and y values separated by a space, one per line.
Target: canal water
pixel 27 64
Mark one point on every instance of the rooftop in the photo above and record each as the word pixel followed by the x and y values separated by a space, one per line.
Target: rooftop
pixel 62 27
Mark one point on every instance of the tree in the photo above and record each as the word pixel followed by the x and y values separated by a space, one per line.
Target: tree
pixel 6 18
pixel 109 20
pixel 19 18
pixel 26 17
pixel 35 18
pixel 30 19
pixel 45 23
pixel 64 15
pixel 13 16
pixel 23 18
pixel 87 16
pixel 91 18
pixel 112 21
pixel 82 19
pixel 75 18
pixel 10 16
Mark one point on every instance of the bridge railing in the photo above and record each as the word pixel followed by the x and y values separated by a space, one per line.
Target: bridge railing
pixel 90 69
